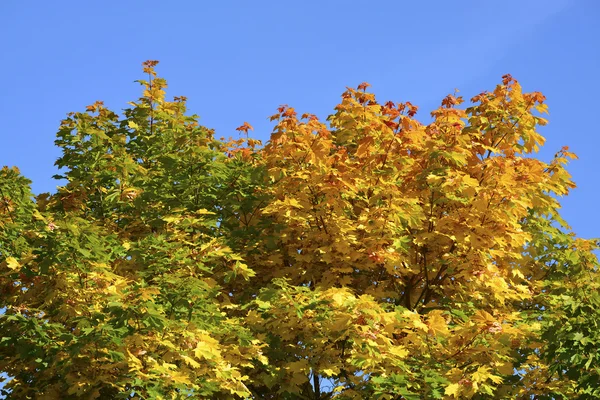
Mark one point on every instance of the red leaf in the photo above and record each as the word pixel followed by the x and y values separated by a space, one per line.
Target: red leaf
pixel 244 128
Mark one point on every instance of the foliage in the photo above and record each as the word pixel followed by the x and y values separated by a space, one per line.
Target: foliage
pixel 371 256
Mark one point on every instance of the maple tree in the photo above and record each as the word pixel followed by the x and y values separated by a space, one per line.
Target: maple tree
pixel 368 256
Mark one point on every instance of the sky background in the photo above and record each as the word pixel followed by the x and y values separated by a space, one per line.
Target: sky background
pixel 238 61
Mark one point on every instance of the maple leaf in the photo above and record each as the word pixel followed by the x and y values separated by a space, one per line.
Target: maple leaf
pixel 12 263
pixel 363 86
pixel 244 128
pixel 452 390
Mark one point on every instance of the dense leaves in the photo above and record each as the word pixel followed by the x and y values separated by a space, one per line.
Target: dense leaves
pixel 369 256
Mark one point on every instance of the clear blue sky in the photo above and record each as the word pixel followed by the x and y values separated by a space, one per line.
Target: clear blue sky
pixel 237 61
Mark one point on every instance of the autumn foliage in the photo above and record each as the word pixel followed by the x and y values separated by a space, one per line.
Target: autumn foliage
pixel 369 256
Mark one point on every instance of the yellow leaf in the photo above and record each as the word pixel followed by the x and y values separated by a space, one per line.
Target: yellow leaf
pixel 482 374
pixel 171 218
pixel 434 179
pixel 134 362
pixel 204 211
pixel 518 274
pixel 168 366
pixel 292 202
pixel 178 377
pixel 437 323
pixel 263 360
pixel 452 390
pixel 190 361
pixel 12 263
pixel 416 320
pixel 207 350
pixel 38 216
pixel 398 351
pixel 340 297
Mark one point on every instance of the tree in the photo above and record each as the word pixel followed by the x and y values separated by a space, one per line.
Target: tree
pixel 368 257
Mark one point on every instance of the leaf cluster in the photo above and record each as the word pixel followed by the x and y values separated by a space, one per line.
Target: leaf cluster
pixel 367 256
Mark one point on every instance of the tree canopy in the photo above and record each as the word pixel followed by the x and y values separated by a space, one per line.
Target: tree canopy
pixel 369 256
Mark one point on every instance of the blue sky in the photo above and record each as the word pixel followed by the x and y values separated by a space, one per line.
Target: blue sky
pixel 237 61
